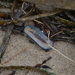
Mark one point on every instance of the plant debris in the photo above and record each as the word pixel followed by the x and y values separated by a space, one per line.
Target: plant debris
pixel 30 68
pixel 56 24
pixel 5 40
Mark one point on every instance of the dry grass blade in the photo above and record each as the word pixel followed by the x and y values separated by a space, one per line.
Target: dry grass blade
pixel 30 68
pixel 62 54
pixel 59 51
pixel 56 34
pixel 38 16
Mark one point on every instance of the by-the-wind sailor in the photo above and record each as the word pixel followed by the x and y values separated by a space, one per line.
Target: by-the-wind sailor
pixel 39 37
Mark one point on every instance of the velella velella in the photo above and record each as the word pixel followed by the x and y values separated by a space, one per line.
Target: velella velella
pixel 38 36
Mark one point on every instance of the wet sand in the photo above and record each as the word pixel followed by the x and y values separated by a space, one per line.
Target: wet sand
pixel 33 55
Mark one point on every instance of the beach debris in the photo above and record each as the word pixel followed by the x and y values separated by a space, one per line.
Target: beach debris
pixel 53 26
pixel 7 34
pixel 5 40
pixel 39 65
pixel 29 68
pixel 52 22
pixel 38 37
pixel 47 60
pixel 46 67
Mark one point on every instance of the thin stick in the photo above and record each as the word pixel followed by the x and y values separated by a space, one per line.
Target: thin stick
pixel 34 17
pixel 38 21
pixel 30 68
pixel 22 7
pixel 48 35
pixel 12 11
pixel 26 13
pixel 37 16
pixel 12 57
pixel 59 51
pixel 56 34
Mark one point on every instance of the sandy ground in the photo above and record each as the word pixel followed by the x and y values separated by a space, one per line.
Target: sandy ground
pixel 34 55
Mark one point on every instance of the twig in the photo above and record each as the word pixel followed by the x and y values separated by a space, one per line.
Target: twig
pixel 6 37
pixel 37 16
pixel 22 8
pixel 29 13
pixel 30 68
pixel 56 34
pixel 38 21
pixel 60 53
pixel 12 10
